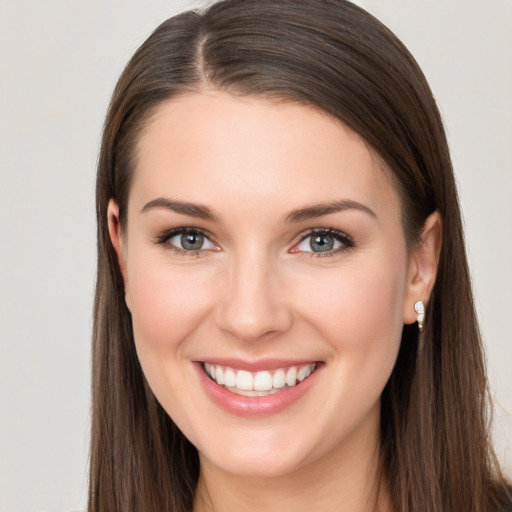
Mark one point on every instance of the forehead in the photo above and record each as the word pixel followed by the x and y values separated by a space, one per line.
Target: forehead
pixel 214 147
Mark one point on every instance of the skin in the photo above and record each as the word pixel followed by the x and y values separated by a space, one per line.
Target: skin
pixel 257 290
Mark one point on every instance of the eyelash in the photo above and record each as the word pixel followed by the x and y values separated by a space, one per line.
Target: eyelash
pixel 345 240
pixel 164 238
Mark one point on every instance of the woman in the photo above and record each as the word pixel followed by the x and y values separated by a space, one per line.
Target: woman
pixel 283 315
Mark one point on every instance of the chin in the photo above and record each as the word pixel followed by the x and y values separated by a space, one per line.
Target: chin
pixel 256 455
pixel 257 465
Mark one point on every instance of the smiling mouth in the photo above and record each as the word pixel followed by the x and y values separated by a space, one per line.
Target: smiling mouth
pixel 262 383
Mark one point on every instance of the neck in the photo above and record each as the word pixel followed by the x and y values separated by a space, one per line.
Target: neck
pixel 346 479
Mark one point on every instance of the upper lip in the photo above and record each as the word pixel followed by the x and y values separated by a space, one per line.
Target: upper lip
pixel 256 365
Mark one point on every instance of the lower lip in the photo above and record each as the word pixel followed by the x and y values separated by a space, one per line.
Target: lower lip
pixel 254 406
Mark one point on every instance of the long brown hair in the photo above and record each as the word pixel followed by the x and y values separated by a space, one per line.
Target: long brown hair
pixel 435 449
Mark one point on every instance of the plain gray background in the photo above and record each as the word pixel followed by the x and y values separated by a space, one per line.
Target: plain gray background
pixel 59 60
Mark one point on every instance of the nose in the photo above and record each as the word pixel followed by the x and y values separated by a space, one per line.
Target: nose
pixel 253 304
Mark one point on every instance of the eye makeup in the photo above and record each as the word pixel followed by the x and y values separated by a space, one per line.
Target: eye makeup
pixel 321 242
pixel 193 241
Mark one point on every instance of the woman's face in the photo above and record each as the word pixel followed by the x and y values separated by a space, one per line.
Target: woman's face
pixel 264 242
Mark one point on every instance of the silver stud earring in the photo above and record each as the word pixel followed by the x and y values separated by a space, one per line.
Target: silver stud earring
pixel 420 309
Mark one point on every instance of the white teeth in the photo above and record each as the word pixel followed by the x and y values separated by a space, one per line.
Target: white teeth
pixel 258 383
pixel 263 381
pixel 291 376
pixel 302 374
pixel 279 379
pixel 219 375
pixel 253 393
pixel 229 378
pixel 244 380
pixel 210 370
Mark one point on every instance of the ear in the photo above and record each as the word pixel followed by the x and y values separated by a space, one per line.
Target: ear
pixel 423 265
pixel 116 237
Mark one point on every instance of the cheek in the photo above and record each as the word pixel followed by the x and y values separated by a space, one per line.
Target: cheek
pixel 357 308
pixel 166 305
pixel 357 298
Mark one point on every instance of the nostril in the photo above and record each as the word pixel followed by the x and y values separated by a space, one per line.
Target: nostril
pixel 252 305
pixel 253 324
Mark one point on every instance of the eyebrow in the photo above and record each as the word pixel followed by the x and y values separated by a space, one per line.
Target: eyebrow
pixel 190 209
pixel 318 210
pixel 298 215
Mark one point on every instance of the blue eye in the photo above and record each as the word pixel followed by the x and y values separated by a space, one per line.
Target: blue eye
pixel 191 241
pixel 324 242
pixel 186 240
